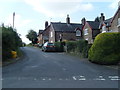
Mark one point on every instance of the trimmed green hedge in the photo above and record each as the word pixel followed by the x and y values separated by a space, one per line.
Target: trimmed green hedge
pixel 105 49
pixel 59 46
pixel 10 42
pixel 80 47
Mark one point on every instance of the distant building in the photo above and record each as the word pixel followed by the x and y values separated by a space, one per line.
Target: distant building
pixel 40 40
pixel 111 24
pixel 115 23
pixel 65 31
pixel 90 30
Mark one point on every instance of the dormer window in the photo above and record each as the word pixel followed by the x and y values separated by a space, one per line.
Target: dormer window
pixel 86 31
pixel 78 33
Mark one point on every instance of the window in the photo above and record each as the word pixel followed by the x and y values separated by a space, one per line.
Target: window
pixel 78 33
pixel 51 34
pixel 86 31
pixel 118 21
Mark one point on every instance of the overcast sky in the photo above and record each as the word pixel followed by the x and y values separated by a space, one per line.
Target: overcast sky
pixel 32 14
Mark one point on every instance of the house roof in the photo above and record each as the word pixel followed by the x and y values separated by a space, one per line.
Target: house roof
pixel 40 31
pixel 94 25
pixel 44 31
pixel 108 21
pixel 64 27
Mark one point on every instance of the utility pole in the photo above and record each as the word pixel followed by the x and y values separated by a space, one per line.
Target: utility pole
pixel 13 19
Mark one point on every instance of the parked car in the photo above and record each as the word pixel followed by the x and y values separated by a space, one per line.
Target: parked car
pixel 48 47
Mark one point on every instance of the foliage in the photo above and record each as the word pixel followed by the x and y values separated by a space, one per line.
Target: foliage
pixel 59 46
pixel 71 45
pixel 105 49
pixel 32 36
pixel 80 47
pixel 10 42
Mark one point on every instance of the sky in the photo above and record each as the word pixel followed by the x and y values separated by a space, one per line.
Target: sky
pixel 32 14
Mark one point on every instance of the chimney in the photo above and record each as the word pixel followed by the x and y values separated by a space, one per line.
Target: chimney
pixel 46 24
pixel 68 19
pixel 102 18
pixel 83 21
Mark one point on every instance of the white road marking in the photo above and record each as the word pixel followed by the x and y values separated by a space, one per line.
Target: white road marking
pixel 43 79
pixel 49 79
pixel 60 79
pixel 66 79
pixel 114 79
pixel 82 79
pixel 35 79
pixel 102 79
pixel 74 78
pixel 34 66
pixel 82 76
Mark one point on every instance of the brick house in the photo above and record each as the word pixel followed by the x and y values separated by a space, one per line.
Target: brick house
pixel 40 40
pixel 43 35
pixel 104 24
pixel 90 30
pixel 115 23
pixel 112 24
pixel 65 31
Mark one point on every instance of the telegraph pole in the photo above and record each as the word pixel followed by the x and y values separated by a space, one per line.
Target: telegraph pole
pixel 13 19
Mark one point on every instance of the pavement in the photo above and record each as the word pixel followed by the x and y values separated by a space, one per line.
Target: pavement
pixel 57 70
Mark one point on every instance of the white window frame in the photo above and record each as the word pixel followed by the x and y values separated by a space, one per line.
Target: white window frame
pixel 86 31
pixel 118 21
pixel 78 33
pixel 51 34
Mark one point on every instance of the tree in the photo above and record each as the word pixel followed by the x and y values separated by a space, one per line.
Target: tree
pixel 32 36
pixel 97 19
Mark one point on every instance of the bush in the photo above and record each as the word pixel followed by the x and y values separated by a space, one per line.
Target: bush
pixel 71 46
pixel 105 49
pixel 59 46
pixel 10 42
pixel 80 47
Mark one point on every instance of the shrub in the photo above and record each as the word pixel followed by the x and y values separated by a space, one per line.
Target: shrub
pixel 10 42
pixel 80 47
pixel 59 46
pixel 71 46
pixel 105 49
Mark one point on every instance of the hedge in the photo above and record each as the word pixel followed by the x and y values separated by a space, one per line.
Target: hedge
pixel 80 47
pixel 59 46
pixel 10 42
pixel 105 49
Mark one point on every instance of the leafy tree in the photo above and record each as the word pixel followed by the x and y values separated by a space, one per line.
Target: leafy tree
pixel 32 36
pixel 97 19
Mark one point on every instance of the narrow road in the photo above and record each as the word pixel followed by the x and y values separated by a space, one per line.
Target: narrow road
pixel 57 70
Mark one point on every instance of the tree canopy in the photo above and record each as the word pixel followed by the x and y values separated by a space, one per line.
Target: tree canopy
pixel 32 36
